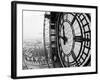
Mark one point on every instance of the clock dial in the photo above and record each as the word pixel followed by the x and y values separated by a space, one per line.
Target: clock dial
pixel 74 39
pixel 66 38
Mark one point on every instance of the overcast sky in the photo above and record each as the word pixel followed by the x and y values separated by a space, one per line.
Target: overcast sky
pixel 33 22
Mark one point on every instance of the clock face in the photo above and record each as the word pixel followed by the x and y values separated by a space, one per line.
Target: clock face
pixel 74 39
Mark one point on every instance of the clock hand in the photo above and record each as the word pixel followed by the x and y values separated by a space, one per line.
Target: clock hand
pixel 64 37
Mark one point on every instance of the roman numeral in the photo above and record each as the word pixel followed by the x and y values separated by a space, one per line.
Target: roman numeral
pixel 80 39
pixel 74 57
pixel 73 20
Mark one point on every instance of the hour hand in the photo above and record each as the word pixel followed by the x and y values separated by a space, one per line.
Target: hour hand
pixel 64 39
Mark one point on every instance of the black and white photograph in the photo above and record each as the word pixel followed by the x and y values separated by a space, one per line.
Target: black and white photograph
pixel 48 46
pixel 53 39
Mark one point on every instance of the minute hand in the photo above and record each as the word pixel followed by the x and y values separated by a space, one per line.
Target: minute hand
pixel 64 37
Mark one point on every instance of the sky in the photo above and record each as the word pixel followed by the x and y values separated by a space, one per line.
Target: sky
pixel 33 22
